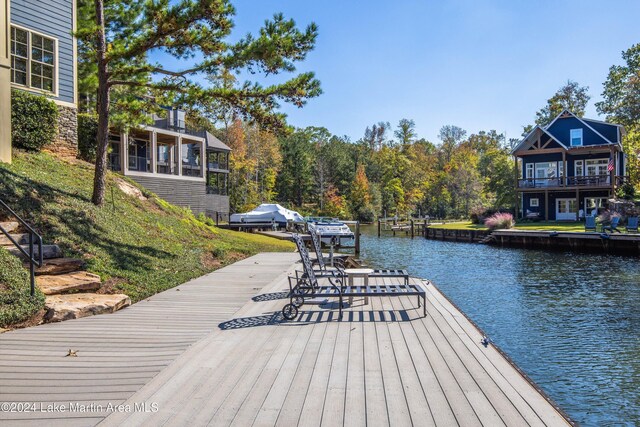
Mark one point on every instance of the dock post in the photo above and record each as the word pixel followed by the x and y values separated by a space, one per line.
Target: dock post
pixel 412 229
pixel 357 249
pixel 217 221
pixel 378 227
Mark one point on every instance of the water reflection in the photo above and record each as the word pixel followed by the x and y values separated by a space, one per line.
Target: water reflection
pixel 571 321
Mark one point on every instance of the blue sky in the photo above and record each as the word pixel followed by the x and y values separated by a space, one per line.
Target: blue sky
pixel 479 65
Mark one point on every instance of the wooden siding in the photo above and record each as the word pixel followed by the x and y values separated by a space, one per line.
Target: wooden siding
pixel 607 130
pixel 561 128
pixel 53 18
pixel 185 193
pixel 553 195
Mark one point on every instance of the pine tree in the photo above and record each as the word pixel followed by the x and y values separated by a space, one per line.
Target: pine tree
pixel 119 35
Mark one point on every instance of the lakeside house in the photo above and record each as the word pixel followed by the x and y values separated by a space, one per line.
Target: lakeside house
pixel 569 168
pixel 39 55
pixel 186 167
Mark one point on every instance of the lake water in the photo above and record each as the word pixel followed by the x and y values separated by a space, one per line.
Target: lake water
pixel 571 321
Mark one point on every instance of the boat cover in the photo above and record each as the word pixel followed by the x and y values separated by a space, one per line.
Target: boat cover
pixel 268 212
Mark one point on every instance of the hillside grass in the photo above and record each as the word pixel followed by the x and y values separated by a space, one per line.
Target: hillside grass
pixel 541 225
pixel 138 247
pixel 16 303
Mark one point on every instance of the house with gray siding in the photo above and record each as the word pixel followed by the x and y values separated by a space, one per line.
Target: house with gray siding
pixel 43 56
pixel 184 166
pixel 569 168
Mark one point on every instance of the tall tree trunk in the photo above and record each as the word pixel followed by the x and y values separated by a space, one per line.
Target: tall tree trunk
pixel 103 109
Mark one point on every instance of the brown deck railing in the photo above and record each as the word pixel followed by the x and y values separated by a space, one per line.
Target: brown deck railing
pixel 571 181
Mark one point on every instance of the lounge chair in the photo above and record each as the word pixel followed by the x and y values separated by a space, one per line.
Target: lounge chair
pixel 613 227
pixel 590 223
pixel 339 263
pixel 632 224
pixel 306 286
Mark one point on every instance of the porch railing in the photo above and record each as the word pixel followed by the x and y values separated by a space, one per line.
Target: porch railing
pixel 34 259
pixel 571 181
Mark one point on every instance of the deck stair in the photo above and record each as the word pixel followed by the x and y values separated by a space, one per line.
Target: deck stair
pixel 70 291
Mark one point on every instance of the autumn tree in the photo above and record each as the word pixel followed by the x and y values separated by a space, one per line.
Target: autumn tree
pixel 571 96
pixel 119 35
pixel 295 182
pixel 621 104
pixel 406 131
pixel 376 136
pixel 451 136
pixel 360 196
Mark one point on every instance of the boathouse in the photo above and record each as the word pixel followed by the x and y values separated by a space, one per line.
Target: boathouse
pixel 569 168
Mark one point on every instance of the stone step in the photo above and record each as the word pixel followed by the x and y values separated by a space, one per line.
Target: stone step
pixel 74 306
pixel 59 266
pixel 22 239
pixel 48 251
pixel 10 226
pixel 69 282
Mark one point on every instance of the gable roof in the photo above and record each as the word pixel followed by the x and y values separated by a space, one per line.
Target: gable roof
pixel 215 143
pixel 567 112
pixel 544 131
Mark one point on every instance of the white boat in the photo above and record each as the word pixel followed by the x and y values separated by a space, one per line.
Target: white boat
pixel 267 213
pixel 329 230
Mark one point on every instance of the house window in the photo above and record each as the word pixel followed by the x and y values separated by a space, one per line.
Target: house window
pixel 529 170
pixel 579 168
pixel 33 60
pixel 576 137
pixel 597 167
pixel 534 202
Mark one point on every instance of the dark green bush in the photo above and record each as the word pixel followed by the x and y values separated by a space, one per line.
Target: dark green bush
pixel 34 120
pixel 16 304
pixel 87 136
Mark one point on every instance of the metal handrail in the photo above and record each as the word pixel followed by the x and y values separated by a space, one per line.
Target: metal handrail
pixel 33 262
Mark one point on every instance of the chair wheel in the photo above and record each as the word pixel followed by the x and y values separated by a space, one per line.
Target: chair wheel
pixel 290 311
pixel 297 301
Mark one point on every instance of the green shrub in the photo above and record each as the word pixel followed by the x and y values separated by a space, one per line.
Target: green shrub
pixel 16 304
pixel 87 136
pixel 34 120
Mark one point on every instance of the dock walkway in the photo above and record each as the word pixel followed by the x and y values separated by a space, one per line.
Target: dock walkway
pixel 119 353
pixel 382 364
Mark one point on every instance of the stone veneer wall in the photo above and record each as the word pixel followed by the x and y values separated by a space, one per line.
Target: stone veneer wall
pixel 67 139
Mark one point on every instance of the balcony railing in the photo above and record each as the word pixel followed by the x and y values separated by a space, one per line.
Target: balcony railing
pixel 191 170
pixel 571 181
pixel 216 190
pixel 167 168
pixel 139 164
pixel 180 127
pixel 218 166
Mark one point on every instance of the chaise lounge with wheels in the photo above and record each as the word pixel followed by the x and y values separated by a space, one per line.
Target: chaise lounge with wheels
pixel 339 264
pixel 306 285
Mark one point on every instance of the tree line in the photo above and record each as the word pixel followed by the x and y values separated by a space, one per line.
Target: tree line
pixel 389 171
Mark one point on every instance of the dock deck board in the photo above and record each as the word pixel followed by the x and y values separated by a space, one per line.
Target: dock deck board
pixel 382 364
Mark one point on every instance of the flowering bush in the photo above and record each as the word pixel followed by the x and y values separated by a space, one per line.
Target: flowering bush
pixel 499 221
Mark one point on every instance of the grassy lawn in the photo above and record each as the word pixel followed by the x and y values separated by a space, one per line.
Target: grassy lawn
pixel 541 225
pixel 138 247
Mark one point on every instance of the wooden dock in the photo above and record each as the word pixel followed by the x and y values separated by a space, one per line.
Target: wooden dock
pixel 382 364
pixel 620 243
